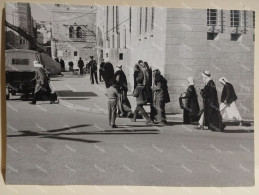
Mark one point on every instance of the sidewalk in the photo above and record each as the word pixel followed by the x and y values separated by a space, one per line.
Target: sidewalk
pixel 77 93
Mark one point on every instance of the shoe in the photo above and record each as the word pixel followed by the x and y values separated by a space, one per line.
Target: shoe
pixel 149 123
pixel 33 103
pixel 52 102
pixel 200 127
pixel 114 126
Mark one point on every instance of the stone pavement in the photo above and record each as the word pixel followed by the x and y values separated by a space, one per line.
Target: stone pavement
pixel 76 92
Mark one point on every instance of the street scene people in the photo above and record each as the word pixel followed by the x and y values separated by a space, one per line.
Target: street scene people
pixel 113 95
pixel 42 84
pixel 124 107
pixel 141 97
pixel 228 99
pixel 192 108
pixel 101 70
pixel 211 116
pixel 80 65
pixel 93 70
pixel 108 74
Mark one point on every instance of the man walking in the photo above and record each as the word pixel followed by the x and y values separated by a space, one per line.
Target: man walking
pixel 93 70
pixel 80 65
pixel 42 84
pixel 123 102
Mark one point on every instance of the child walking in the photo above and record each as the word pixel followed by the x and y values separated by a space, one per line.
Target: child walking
pixel 141 98
pixel 113 95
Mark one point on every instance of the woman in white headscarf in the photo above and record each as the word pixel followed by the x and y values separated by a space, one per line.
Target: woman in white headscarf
pixel 228 106
pixel 192 107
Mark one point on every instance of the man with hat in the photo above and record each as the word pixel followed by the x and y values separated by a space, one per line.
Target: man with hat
pixel 124 107
pixel 93 70
pixel 211 116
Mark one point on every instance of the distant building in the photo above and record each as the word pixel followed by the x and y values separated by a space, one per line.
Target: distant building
pixel 18 14
pixel 73 32
pixel 182 43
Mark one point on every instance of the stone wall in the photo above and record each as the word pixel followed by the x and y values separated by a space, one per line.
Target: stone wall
pixel 188 53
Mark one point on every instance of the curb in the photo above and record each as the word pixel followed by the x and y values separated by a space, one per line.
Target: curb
pixel 81 108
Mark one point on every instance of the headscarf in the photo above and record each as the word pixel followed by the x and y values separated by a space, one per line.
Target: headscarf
pixel 37 64
pixel 223 80
pixel 190 81
pixel 206 74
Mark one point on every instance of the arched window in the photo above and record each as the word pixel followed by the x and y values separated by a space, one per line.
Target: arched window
pixel 71 32
pixel 78 32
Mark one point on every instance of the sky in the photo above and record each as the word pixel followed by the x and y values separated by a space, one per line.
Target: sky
pixel 41 12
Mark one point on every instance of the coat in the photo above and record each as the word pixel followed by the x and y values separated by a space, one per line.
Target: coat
pixel 192 104
pixel 120 76
pixel 42 80
pixel 140 94
pixel 108 74
pixel 228 94
pixel 212 116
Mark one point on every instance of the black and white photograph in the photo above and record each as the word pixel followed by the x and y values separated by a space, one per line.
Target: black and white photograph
pixel 129 96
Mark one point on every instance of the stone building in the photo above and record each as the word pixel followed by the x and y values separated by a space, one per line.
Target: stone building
pixel 18 14
pixel 182 43
pixel 73 32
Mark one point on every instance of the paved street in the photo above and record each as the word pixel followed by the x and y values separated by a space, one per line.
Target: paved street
pixel 52 144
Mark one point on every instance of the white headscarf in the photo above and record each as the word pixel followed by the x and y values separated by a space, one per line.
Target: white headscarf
pixel 37 64
pixel 190 81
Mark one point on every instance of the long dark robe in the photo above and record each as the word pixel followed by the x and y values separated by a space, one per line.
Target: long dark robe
pixel 192 106
pixel 124 107
pixel 212 117
pixel 108 74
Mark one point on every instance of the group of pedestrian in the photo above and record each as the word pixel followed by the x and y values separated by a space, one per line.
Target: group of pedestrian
pixel 212 113
pixel 150 87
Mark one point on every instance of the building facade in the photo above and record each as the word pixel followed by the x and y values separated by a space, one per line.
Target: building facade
pixel 73 32
pixel 182 43
pixel 18 14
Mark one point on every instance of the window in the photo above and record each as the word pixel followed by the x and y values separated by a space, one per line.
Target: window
pixel 152 18
pixel 113 18
pixel 211 35
pixel 17 61
pixel 146 18
pixel 71 32
pixel 140 20
pixel 253 19
pixel 107 22
pixel 75 53
pixel 107 55
pixel 235 36
pixel 211 17
pixel 130 19
pixel 234 18
pixel 121 56
pixel 79 32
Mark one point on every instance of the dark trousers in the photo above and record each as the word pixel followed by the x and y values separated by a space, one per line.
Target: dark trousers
pixel 81 70
pixel 159 106
pixel 140 109
pixel 94 74
pixel 40 93
pixel 100 75
pixel 112 111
